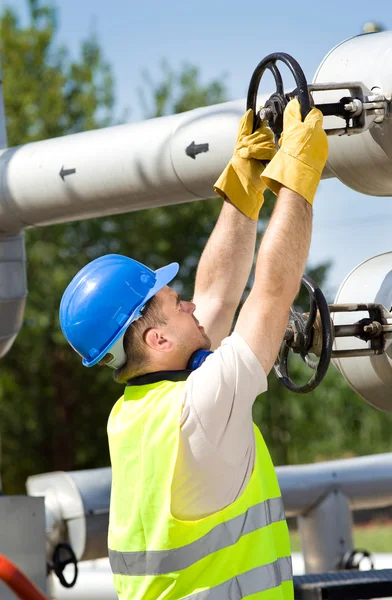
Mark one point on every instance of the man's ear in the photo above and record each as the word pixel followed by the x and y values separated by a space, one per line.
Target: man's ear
pixel 156 339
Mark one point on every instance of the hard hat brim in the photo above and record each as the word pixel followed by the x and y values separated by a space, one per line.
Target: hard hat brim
pixel 164 276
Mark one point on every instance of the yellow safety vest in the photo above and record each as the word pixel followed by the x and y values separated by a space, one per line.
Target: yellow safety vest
pixel 242 551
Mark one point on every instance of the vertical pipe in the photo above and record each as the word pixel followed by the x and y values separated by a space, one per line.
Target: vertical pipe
pixel 13 286
pixel 326 533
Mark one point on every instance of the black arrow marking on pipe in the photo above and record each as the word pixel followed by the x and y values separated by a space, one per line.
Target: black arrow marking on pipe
pixel 64 172
pixel 194 149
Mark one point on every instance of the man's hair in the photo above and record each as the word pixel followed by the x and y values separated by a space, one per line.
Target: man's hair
pixel 134 344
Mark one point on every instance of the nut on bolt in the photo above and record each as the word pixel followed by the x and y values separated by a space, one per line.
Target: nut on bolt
pixel 374 329
pixel 266 114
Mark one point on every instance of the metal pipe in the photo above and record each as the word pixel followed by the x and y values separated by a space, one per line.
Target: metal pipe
pixel 326 533
pixel 348 330
pixel 13 285
pixel 80 500
pixel 13 288
pixel 176 159
pixel 349 307
pixel 119 169
pixel 357 353
pixel 362 162
pixel 366 482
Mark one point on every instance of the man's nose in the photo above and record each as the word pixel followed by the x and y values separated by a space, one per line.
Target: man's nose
pixel 189 307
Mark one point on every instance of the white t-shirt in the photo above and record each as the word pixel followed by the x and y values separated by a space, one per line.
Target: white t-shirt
pixel 217 447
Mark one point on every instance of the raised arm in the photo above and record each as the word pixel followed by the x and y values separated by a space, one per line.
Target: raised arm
pixel 280 264
pixel 285 245
pixel 227 259
pixel 223 271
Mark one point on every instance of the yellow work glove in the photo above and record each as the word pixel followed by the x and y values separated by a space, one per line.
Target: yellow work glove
pixel 303 153
pixel 240 181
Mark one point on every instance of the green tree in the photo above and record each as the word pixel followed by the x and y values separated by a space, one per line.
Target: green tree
pixel 53 411
pixel 178 92
pixel 46 95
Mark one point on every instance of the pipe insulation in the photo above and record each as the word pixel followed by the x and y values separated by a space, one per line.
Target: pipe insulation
pixel 118 169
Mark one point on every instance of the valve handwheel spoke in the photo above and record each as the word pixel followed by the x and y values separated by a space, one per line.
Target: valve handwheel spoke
pixel 304 331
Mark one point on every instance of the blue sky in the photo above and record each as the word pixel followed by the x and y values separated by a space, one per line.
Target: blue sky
pixel 226 41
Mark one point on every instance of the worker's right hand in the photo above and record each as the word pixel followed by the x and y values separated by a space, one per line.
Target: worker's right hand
pixel 240 181
pixel 302 155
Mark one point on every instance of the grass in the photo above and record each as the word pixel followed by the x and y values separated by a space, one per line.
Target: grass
pixel 376 537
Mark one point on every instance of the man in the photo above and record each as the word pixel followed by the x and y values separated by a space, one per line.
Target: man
pixel 196 511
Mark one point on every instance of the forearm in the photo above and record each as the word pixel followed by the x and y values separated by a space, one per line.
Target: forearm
pixel 225 264
pixel 285 246
pixel 280 264
pixel 223 272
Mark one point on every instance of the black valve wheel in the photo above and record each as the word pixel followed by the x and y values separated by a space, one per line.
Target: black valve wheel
pixel 63 555
pixel 273 110
pixel 301 343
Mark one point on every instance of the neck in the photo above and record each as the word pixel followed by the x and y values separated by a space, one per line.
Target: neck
pixel 168 363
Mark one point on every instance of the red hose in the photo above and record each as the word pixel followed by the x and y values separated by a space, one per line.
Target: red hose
pixel 21 585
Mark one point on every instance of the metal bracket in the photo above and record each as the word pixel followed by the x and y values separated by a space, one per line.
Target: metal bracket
pixel 372 329
pixel 360 109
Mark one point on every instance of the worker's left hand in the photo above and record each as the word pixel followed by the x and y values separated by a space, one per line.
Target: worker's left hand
pixel 240 182
pixel 303 153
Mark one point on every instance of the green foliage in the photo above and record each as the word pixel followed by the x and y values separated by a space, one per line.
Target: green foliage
pixel 329 423
pixel 46 93
pixel 178 92
pixel 53 411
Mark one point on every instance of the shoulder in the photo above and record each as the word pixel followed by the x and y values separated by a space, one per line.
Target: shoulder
pixel 232 360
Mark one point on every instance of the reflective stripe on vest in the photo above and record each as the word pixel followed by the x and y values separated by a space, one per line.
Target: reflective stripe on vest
pixel 159 562
pixel 253 581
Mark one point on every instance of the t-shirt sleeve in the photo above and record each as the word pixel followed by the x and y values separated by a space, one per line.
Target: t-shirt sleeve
pixel 220 395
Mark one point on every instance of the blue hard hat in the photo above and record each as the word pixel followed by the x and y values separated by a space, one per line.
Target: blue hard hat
pixel 103 299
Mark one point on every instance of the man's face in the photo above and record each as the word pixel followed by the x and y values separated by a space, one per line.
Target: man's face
pixel 185 330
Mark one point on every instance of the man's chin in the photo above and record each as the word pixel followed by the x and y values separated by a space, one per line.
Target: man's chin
pixel 206 342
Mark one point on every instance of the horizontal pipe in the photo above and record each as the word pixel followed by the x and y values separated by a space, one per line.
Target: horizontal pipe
pixel 80 499
pixel 164 161
pixel 366 482
pixel 356 353
pixel 348 330
pixel 117 169
pixel 176 159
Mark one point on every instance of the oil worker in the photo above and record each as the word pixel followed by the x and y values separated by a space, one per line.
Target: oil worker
pixel 196 511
